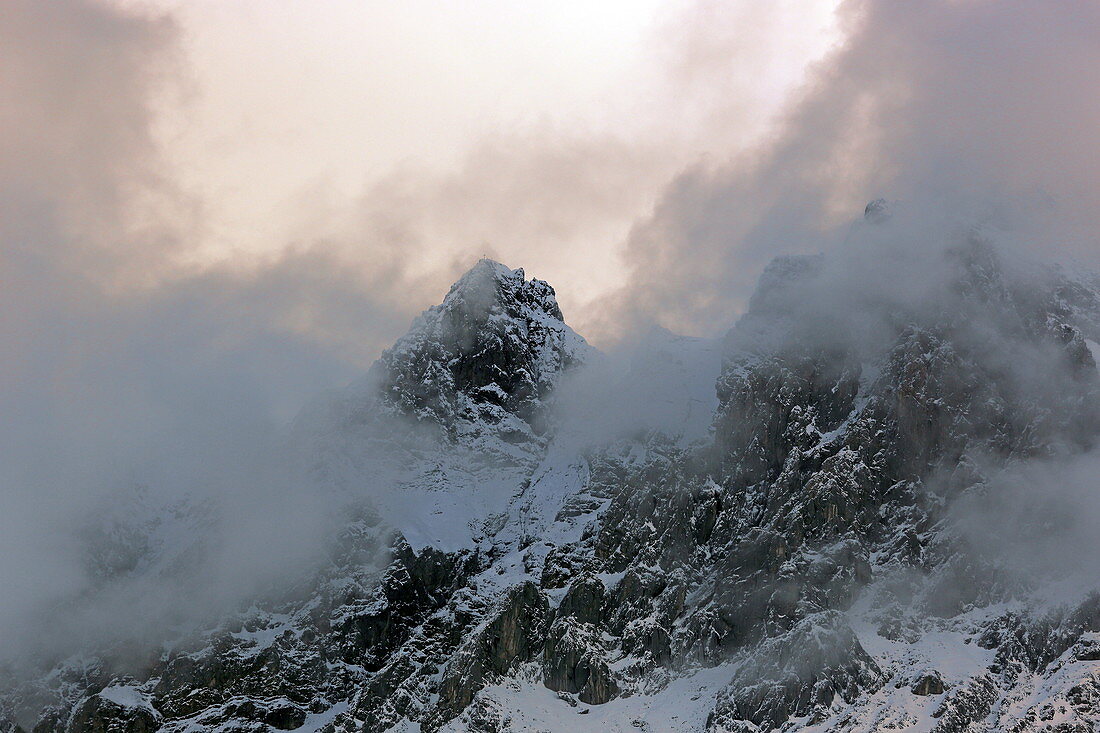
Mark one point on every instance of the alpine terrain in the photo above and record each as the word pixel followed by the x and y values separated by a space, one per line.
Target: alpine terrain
pixel 867 508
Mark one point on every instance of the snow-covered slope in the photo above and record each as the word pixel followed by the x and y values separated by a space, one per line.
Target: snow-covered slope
pixel 796 530
pixel 457 414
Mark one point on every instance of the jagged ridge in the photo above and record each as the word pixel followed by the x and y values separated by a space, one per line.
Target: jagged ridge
pixel 796 570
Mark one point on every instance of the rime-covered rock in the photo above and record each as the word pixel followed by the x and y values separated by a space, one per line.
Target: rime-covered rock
pixel 491 353
pixel 798 674
pixel 802 564
pixel 114 710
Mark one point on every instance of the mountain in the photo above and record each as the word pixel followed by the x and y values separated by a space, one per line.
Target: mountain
pixel 456 414
pixel 867 509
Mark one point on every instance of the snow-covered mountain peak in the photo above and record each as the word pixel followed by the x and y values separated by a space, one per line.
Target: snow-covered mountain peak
pixel 492 350
pixel 460 410
pixel 489 283
pixel 878 211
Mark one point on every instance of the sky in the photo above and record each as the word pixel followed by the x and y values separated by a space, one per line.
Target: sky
pixel 326 103
pixel 210 212
pixel 419 136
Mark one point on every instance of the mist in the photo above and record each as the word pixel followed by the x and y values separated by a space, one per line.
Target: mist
pixel 961 110
pixel 132 384
pixel 137 375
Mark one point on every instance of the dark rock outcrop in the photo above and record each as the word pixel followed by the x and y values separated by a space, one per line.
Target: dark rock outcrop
pixel 497 343
pixel 98 714
pixel 514 635
pixel 927 683
pixel 798 675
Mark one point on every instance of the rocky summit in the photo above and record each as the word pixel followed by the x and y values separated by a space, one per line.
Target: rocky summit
pixel 878 527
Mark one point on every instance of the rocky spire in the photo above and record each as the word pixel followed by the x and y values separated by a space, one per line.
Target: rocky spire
pixel 497 343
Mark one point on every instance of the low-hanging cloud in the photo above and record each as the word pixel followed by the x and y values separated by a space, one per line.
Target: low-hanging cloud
pixel 960 109
pixel 134 379
pixel 123 366
pixel 129 382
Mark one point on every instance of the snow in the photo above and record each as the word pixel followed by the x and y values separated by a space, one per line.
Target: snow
pixel 496 486
pixel 1094 349
pixel 681 706
pixel 317 721
pixel 260 639
pixel 128 696
pixel 451 497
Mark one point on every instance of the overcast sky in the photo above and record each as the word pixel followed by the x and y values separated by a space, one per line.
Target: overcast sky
pixel 410 138
pixel 482 117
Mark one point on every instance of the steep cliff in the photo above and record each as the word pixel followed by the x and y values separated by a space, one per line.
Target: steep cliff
pixel 828 556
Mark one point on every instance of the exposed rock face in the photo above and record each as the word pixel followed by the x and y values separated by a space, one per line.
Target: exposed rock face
pixel 514 635
pixel 928 683
pixel 798 674
pixel 966 706
pixel 494 348
pixel 800 566
pixel 101 714
pixel 574 659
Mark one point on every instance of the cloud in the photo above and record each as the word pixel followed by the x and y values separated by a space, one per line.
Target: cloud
pixel 122 369
pixel 133 377
pixel 126 359
pixel 968 109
